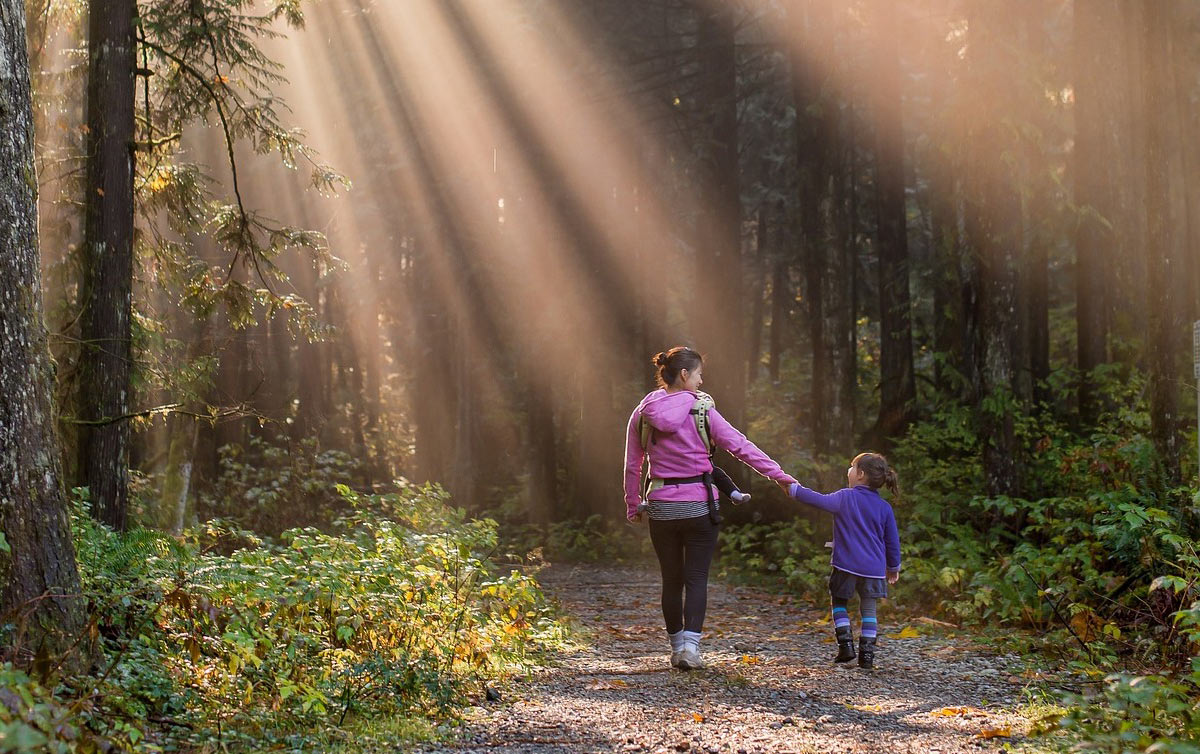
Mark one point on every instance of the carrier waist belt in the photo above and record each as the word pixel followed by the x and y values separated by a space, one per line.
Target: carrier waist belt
pixel 698 479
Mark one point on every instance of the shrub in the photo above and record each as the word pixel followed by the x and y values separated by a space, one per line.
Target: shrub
pixel 228 641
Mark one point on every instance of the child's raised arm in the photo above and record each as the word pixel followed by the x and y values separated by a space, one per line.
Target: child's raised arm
pixel 831 502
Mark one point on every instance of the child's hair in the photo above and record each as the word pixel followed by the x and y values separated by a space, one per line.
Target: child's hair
pixel 669 364
pixel 879 473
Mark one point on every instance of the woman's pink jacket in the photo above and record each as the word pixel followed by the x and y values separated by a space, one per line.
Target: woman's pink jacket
pixel 676 449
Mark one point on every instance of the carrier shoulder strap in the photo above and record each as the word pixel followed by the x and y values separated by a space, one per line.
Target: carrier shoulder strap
pixel 704 404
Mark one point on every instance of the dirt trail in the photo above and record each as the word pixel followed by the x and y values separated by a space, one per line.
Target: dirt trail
pixel 769 687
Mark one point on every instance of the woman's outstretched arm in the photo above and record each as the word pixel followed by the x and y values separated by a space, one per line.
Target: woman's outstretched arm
pixel 724 436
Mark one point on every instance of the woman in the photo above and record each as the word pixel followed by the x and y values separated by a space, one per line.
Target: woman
pixel 681 503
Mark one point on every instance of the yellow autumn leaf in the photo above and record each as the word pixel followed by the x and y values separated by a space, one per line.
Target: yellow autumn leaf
pixel 698 717
pixel 953 711
pixel 615 683
pixel 866 707
pixel 908 632
pixel 749 660
pixel 1004 731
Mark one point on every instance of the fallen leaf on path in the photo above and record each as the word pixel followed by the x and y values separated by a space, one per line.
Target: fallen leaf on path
pixel 829 640
pixel 955 711
pixel 908 632
pixel 866 707
pixel 698 717
pixel 750 659
pixel 1001 732
pixel 615 683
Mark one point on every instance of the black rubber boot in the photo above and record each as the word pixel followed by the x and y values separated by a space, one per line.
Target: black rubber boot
pixel 845 642
pixel 866 652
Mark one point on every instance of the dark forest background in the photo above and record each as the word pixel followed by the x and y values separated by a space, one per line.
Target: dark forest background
pixel 858 211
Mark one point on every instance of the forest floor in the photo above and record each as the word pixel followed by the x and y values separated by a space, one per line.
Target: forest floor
pixel 770 685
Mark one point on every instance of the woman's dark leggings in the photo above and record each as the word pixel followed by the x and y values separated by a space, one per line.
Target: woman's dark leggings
pixel 685 549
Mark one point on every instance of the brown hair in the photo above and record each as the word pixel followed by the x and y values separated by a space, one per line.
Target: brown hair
pixel 878 472
pixel 669 363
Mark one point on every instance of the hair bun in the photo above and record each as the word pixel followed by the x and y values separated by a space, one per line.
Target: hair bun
pixel 660 359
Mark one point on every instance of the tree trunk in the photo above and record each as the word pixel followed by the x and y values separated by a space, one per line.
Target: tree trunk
pixel 845 220
pixel 757 291
pixel 780 293
pixel 108 249
pixel 1166 342
pixel 1095 23
pixel 814 137
pixel 37 557
pixel 994 226
pixel 897 385
pixel 719 330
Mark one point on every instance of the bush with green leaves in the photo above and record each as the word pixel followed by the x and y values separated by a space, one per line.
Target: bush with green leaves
pixel 227 641
pixel 269 488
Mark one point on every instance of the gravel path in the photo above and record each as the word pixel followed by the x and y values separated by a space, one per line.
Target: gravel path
pixel 769 687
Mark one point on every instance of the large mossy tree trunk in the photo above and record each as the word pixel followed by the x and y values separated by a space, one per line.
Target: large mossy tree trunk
pixel 38 574
pixel 108 274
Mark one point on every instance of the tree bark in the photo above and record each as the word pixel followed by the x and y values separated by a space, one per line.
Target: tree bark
pixel 780 293
pixel 1094 24
pixel 897 385
pixel 1167 335
pixel 814 137
pixel 994 227
pixel 719 329
pixel 105 384
pixel 37 558
pixel 757 291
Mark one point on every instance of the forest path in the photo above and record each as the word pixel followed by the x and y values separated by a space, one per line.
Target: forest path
pixel 769 687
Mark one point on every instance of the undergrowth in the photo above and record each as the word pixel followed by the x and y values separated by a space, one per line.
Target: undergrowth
pixel 222 641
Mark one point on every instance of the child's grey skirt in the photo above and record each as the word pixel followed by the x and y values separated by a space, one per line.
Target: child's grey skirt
pixel 843 585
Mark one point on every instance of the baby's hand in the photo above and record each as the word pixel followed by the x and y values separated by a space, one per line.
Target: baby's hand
pixel 893 577
pixel 785 486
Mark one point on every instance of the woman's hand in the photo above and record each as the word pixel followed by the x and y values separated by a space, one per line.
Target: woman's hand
pixel 785 486
pixel 635 518
pixel 893 577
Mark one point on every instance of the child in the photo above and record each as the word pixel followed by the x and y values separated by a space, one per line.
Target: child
pixel 866 548
pixel 725 484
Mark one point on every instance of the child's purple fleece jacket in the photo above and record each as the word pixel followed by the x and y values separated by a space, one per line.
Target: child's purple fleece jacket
pixel 865 539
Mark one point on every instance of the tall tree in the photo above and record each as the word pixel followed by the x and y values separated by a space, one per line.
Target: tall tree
pixel 897 384
pixel 108 252
pixel 1094 24
pixel 38 576
pixel 815 134
pixel 719 330
pixel 994 227
pixel 1166 341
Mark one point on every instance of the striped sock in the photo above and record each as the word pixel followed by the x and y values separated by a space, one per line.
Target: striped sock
pixel 870 624
pixel 841 618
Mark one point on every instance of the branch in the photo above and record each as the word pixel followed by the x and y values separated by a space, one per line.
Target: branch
pixel 114 419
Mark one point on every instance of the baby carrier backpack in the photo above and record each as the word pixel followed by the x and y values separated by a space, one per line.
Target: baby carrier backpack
pixel 699 412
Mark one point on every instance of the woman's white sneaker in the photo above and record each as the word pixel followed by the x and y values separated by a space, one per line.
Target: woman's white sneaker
pixel 689 659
